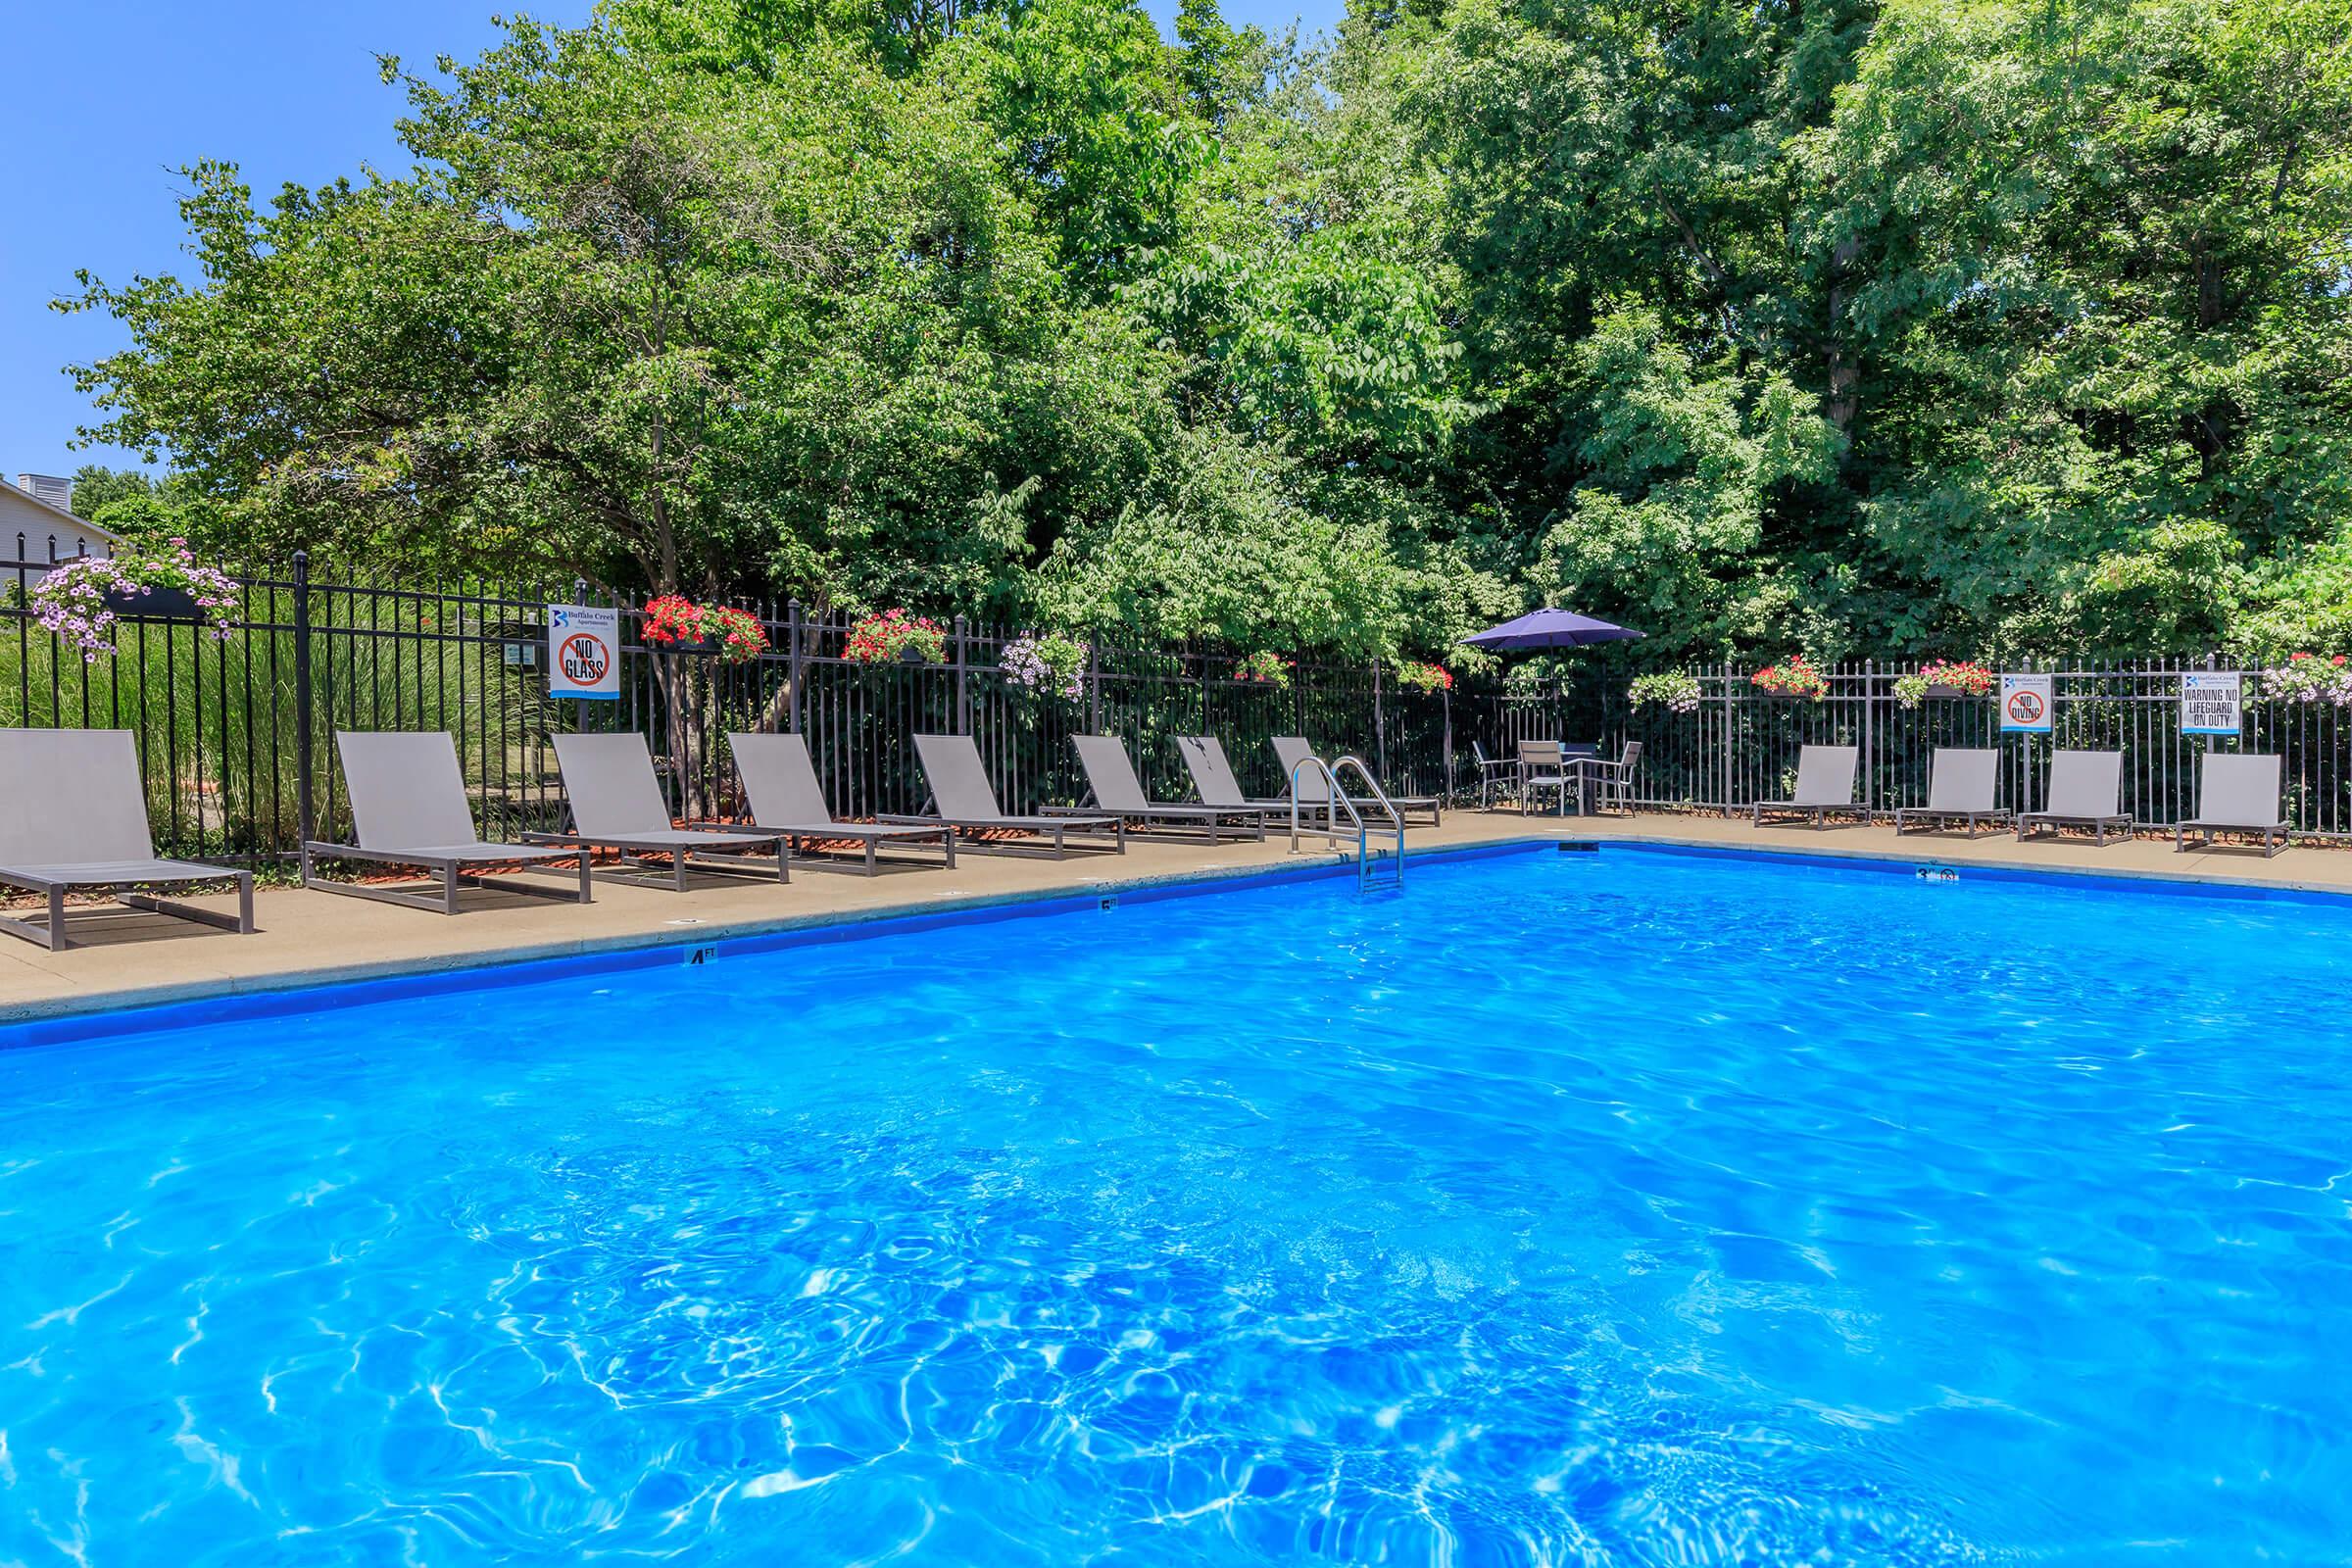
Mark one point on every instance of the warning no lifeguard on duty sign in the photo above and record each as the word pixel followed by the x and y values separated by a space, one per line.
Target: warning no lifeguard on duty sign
pixel 583 651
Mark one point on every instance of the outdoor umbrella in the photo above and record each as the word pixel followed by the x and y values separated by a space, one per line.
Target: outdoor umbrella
pixel 1550 628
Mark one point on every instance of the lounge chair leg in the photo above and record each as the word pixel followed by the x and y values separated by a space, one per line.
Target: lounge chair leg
pixel 449 888
pixel 783 861
pixel 871 846
pixel 678 870
pixel 245 904
pixel 947 845
pixel 586 887
pixel 57 919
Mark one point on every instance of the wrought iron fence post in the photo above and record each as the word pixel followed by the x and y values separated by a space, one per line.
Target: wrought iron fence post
pixel 1380 723
pixel 1094 687
pixel 1445 743
pixel 306 820
pixel 1730 696
pixel 963 698
pixel 792 701
pixel 1870 761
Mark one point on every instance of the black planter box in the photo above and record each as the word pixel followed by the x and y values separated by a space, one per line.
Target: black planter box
pixel 156 604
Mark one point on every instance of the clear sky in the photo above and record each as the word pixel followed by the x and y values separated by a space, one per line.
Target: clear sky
pixel 105 99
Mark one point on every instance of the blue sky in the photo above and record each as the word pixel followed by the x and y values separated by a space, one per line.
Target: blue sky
pixel 107 98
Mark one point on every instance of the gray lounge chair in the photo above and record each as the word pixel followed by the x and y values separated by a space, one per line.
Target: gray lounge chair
pixel 1961 783
pixel 409 808
pixel 1825 783
pixel 1292 750
pixel 2087 790
pixel 1110 776
pixel 966 802
pixel 616 804
pixel 1213 775
pixel 2235 793
pixel 73 815
pixel 781 780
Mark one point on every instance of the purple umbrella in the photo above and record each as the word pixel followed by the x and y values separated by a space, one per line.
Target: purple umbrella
pixel 1550 628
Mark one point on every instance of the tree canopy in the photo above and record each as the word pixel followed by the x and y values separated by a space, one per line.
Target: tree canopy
pixel 1845 325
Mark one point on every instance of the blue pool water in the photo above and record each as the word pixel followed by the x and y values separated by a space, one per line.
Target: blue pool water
pixel 1619 1209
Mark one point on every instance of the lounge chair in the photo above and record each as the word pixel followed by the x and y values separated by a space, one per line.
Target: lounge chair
pixel 1292 750
pixel 73 815
pixel 1960 788
pixel 2087 790
pixel 1213 775
pixel 1110 776
pixel 1544 766
pixel 966 802
pixel 1609 781
pixel 2235 793
pixel 616 804
pixel 1825 783
pixel 409 808
pixel 781 780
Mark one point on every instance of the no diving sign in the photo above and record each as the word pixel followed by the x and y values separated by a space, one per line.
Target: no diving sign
pixel 2028 703
pixel 583 651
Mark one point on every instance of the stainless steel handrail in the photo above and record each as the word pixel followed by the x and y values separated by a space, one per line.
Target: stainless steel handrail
pixel 1338 799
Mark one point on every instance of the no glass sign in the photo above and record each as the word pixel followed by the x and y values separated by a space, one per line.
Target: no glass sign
pixel 583 651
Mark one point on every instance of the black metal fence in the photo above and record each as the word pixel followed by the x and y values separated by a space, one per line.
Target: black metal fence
pixel 236 733
pixel 1741 744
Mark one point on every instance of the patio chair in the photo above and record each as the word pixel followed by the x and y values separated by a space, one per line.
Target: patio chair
pixel 616 803
pixel 1292 750
pixel 73 815
pixel 1110 776
pixel 1609 782
pixel 1213 775
pixel 2087 790
pixel 409 808
pixel 1494 773
pixel 1544 766
pixel 1825 783
pixel 2235 793
pixel 781 778
pixel 1960 788
pixel 964 802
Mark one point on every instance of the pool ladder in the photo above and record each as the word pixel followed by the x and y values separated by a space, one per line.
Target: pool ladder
pixel 1337 801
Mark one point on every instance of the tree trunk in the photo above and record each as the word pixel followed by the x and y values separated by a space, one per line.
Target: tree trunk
pixel 1846 377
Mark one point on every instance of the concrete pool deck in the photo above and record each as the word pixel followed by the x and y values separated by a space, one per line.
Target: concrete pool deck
pixel 126 958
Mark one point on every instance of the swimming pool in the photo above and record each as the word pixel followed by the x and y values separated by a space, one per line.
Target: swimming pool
pixel 1625 1207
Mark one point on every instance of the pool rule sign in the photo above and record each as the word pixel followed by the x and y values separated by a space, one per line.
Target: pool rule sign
pixel 583 651
pixel 2029 703
pixel 2212 703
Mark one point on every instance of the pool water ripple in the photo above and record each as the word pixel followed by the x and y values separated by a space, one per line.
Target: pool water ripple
pixel 1617 1209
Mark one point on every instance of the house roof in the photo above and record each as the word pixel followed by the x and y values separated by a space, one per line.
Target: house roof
pixel 83 525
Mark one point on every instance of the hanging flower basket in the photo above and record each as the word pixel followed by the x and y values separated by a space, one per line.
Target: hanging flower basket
pixel 1052 663
pixel 675 624
pixel 82 600
pixel 1263 669
pixel 1793 677
pixel 896 637
pixel 1418 677
pixel 1674 690
pixel 1943 678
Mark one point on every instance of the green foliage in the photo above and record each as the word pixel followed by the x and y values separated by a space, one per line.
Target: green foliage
pixel 1865 324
